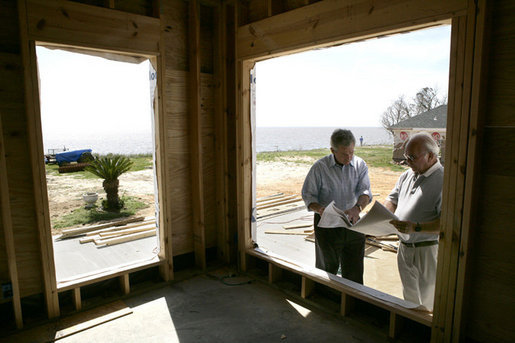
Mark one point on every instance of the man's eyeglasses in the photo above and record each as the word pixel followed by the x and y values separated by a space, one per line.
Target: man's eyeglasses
pixel 413 158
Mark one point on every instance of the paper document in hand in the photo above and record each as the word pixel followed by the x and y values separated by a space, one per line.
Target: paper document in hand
pixel 376 222
pixel 333 217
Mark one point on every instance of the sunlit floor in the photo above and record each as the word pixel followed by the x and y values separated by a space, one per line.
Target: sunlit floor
pixel 205 309
pixel 74 260
pixel 381 271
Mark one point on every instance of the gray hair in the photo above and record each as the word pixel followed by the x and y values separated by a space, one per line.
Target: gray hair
pixel 342 138
pixel 427 142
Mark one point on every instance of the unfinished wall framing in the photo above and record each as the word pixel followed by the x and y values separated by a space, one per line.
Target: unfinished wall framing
pixel 157 31
pixel 324 23
pixel 232 35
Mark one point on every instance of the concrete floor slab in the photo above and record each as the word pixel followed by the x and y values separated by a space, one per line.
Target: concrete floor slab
pixel 204 309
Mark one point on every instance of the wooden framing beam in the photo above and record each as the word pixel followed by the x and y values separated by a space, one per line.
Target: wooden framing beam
pixel 396 323
pixel 125 285
pixel 162 171
pixel 347 288
pixel 307 287
pixel 28 49
pixel 8 233
pixel 77 300
pixel 274 273
pixel 75 24
pixel 471 192
pixel 221 134
pixel 334 22
pixel 346 305
pixel 244 153
pixel 197 179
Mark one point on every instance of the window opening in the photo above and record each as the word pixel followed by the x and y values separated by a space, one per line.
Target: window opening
pixel 97 112
pixel 364 87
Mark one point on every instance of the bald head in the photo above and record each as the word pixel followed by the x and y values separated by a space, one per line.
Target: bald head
pixel 421 152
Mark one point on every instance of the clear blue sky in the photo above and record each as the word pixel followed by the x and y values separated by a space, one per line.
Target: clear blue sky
pixel 352 84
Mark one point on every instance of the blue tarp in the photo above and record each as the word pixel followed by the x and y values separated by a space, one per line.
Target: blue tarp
pixel 70 156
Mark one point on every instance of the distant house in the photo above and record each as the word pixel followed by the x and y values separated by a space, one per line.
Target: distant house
pixel 433 122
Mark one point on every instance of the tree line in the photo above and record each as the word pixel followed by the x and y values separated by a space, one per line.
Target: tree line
pixel 401 109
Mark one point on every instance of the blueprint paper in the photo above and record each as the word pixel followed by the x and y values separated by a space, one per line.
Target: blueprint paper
pixel 376 222
pixel 333 217
pixel 373 223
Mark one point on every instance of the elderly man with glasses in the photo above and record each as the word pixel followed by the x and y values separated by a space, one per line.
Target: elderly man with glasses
pixel 416 200
pixel 343 178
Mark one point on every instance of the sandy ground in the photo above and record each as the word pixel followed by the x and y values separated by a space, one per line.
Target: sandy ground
pixel 277 177
pixel 65 191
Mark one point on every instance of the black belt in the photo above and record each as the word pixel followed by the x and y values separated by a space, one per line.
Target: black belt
pixel 420 244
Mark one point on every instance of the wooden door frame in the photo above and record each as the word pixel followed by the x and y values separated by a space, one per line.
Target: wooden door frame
pixel 313 26
pixel 55 23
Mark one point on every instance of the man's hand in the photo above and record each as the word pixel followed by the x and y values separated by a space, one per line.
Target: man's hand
pixel 404 226
pixel 353 214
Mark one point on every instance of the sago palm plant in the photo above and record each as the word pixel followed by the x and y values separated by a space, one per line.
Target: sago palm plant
pixel 109 168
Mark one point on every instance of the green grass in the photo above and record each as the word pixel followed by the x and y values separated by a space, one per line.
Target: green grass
pixel 377 156
pixel 140 162
pixel 81 216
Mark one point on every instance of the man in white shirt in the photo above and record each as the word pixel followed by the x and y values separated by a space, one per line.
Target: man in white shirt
pixel 417 200
pixel 343 178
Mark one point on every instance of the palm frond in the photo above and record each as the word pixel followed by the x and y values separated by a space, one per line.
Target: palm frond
pixel 110 167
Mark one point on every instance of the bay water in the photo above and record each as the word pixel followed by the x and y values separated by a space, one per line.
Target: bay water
pixel 267 139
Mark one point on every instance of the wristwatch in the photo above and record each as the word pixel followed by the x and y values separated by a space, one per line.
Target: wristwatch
pixel 418 228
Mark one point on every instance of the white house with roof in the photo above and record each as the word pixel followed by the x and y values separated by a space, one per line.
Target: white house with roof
pixel 433 122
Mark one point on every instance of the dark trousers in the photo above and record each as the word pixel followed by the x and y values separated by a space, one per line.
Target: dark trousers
pixel 339 247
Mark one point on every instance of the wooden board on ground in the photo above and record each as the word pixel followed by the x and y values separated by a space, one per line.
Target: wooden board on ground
pixel 126 238
pixel 69 326
pixel 310 238
pixel 80 230
pixel 287 233
pixel 296 226
pixel 280 209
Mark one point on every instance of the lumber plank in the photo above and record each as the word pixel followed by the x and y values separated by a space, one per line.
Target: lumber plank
pixel 126 238
pixel 119 228
pixel 334 22
pixel 307 287
pixel 92 318
pixel 8 234
pixel 77 301
pixel 275 204
pixel 471 187
pixel 244 161
pixel 396 322
pixel 125 285
pixel 161 147
pixel 275 200
pixel 221 190
pixel 75 24
pixel 274 273
pixel 126 231
pixel 197 180
pixel 296 226
pixel 34 131
pixel 287 233
pixel 278 195
pixel 81 230
pixel 346 304
pixel 346 286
